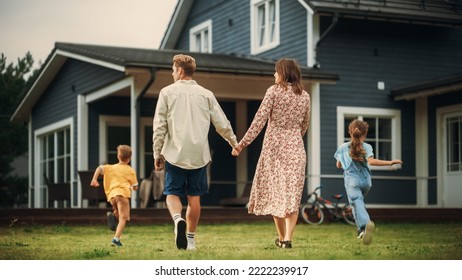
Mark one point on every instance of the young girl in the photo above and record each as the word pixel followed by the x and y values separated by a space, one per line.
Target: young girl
pixel 354 158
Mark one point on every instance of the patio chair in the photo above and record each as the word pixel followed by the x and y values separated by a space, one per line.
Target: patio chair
pixel 59 194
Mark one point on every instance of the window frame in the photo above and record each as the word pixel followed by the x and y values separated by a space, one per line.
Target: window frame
pixel 254 27
pixel 363 112
pixel 200 29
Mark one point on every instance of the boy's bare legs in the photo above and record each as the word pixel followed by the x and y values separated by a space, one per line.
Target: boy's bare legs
pixel 123 207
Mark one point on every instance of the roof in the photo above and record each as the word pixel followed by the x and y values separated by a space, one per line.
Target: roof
pixel 437 12
pixel 121 58
pixel 162 59
pixel 441 85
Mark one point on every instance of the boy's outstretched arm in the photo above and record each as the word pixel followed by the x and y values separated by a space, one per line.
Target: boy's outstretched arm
pixel 94 180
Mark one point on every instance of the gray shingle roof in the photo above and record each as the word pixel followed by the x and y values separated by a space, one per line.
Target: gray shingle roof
pixel 446 12
pixel 162 59
pixel 438 85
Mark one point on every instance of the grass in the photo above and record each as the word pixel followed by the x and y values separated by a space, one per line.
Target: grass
pixel 336 241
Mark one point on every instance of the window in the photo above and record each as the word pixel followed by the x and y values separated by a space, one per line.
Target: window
pixel 55 155
pixel 454 143
pixel 264 20
pixel 384 130
pixel 200 37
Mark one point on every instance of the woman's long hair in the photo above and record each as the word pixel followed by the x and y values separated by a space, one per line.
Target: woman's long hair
pixel 289 72
pixel 358 131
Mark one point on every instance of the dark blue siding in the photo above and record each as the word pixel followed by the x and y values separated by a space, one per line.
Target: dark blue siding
pixel 231 28
pixel 365 52
pixel 59 100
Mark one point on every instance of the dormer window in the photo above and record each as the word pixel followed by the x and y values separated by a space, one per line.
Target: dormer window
pixel 200 37
pixel 264 20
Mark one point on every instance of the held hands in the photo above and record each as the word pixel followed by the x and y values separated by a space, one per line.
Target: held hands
pixel 236 151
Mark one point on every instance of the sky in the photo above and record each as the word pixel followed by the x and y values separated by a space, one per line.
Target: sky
pixel 35 25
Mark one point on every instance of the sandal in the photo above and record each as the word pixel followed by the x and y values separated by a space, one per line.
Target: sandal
pixel 286 244
pixel 278 242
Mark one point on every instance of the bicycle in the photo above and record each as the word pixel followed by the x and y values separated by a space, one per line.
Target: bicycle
pixel 313 211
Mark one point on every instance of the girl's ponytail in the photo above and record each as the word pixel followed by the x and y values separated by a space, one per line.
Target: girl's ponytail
pixel 358 130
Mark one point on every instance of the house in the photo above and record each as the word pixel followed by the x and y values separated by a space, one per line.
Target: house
pixel 88 99
pixel 399 64
pixel 396 64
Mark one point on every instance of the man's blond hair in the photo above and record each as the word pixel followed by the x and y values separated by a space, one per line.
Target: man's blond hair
pixel 186 62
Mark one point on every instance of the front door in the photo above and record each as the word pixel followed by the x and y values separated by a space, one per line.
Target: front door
pixel 452 137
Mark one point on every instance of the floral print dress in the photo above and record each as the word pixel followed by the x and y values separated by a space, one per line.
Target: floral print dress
pixel 280 173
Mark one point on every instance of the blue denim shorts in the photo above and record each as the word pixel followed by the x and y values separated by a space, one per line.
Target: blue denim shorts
pixel 181 182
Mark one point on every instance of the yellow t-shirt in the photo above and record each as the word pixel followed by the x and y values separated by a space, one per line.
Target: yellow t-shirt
pixel 118 180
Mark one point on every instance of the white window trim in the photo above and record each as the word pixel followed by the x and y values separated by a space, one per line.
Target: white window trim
pixel 206 25
pixel 69 122
pixel 395 116
pixel 254 48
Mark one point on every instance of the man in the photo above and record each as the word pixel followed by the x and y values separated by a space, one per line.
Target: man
pixel 180 144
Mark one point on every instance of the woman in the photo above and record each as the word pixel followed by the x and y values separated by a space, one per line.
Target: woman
pixel 280 173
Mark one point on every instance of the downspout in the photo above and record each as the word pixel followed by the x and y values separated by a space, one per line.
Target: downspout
pixel 153 71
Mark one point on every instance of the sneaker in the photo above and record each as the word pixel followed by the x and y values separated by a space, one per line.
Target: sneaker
pixel 367 237
pixel 111 221
pixel 191 245
pixel 116 242
pixel 180 234
pixel 360 234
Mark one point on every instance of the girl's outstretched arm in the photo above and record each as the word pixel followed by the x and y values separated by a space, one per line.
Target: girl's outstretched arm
pixel 379 162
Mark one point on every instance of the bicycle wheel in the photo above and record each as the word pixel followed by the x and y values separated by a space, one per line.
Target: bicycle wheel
pixel 347 213
pixel 312 214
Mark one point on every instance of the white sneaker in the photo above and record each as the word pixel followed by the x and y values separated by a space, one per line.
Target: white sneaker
pixel 191 245
pixel 367 237
pixel 180 234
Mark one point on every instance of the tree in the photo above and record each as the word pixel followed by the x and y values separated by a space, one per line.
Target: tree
pixel 13 137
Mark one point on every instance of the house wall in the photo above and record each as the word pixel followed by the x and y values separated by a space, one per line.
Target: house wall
pixel 231 28
pixel 59 100
pixel 397 54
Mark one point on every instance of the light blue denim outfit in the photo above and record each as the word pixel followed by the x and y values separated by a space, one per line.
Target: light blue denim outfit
pixel 357 178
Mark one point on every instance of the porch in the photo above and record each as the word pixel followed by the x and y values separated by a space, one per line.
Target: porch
pixel 210 215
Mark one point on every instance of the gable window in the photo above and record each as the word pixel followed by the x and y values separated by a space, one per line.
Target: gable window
pixel 200 37
pixel 264 20
pixel 384 130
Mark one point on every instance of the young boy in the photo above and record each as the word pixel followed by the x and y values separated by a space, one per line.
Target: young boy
pixel 119 180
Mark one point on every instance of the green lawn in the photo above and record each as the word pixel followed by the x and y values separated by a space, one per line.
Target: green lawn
pixel 336 241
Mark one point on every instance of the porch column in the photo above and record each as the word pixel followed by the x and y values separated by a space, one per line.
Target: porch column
pixel 82 144
pixel 421 150
pixel 241 160
pixel 134 138
pixel 314 140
